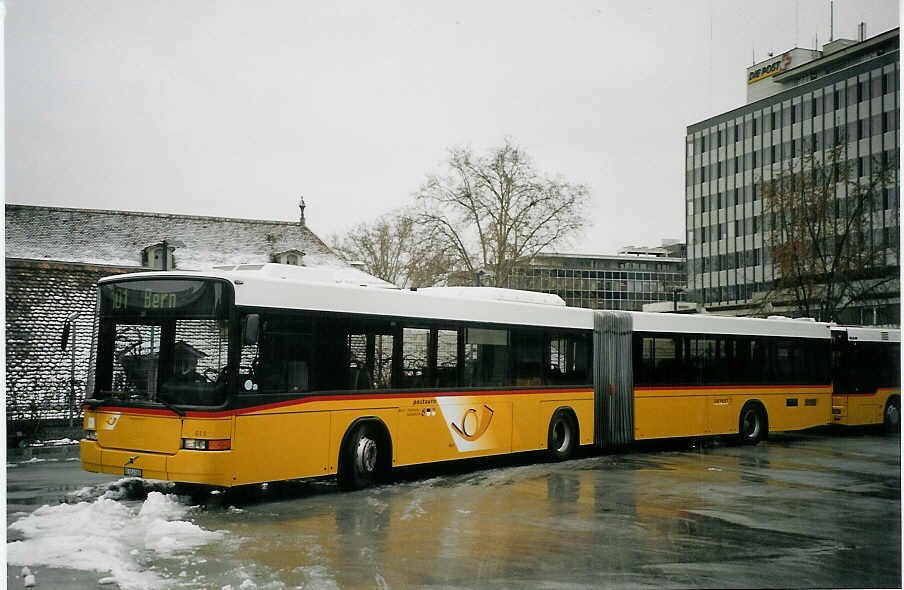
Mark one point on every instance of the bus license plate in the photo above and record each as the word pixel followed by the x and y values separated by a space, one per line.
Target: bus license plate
pixel 132 472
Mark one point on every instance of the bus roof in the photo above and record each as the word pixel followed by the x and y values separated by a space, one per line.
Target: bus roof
pixel 280 286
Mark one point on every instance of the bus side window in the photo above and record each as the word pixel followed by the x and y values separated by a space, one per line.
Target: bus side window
pixel 667 366
pixel 281 361
pixel 569 360
pixel 644 370
pixel 487 357
pixel 528 352
pixel 416 358
pixel 892 364
pixel 446 358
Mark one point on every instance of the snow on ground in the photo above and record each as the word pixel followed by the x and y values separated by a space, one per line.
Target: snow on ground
pixel 58 442
pixel 107 535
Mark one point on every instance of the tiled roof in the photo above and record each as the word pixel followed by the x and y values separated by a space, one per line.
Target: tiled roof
pixel 107 237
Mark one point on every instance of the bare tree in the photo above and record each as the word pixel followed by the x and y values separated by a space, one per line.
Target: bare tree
pixel 395 249
pixel 495 211
pixel 822 236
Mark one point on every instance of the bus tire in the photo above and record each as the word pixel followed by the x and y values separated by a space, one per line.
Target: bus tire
pixel 892 414
pixel 752 425
pixel 563 435
pixel 363 457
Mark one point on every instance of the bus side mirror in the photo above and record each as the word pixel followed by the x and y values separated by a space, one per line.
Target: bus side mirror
pixel 251 329
pixel 64 337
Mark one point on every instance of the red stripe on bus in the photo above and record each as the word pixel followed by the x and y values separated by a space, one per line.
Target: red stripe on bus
pixel 319 398
pixel 723 387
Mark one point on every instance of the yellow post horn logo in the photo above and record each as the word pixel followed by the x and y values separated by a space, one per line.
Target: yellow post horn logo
pixel 474 424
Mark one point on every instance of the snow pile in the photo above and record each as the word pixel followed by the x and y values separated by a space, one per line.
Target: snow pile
pixel 108 536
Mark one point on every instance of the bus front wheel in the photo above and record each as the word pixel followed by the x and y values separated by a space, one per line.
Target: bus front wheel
pixel 892 419
pixel 361 459
pixel 563 435
pixel 752 424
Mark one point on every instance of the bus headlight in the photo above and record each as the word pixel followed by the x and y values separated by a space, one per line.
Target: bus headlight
pixel 203 444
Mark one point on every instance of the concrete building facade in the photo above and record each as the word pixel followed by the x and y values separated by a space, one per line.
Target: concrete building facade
pixel 801 100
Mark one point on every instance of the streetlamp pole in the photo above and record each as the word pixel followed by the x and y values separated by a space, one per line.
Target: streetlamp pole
pixel 70 322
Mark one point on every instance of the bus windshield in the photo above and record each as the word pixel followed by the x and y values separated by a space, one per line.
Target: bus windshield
pixel 165 341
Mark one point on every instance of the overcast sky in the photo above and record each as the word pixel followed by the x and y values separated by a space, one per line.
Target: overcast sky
pixel 236 108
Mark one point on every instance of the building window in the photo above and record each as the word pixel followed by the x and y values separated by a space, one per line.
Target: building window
pixel 753 158
pixel 773 161
pixel 836 100
pixel 754 128
pixel 772 120
pixel 719 136
pixel 702 144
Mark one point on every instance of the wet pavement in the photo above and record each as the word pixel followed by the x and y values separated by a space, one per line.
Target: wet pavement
pixel 803 510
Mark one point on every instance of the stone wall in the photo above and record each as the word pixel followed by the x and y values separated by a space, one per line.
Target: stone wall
pixel 39 297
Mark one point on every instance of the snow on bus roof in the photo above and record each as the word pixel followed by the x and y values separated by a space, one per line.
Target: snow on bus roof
pixel 282 286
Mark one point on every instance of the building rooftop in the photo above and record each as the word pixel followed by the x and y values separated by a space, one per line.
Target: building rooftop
pixel 107 237
pixel 837 53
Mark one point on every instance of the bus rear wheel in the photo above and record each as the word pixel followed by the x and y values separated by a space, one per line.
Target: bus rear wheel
pixel 563 436
pixel 892 415
pixel 752 424
pixel 361 459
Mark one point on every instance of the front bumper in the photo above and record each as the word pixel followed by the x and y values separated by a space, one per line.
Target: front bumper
pixel 201 467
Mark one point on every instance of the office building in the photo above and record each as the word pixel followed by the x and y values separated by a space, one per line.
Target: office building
pixel 846 94
pixel 626 280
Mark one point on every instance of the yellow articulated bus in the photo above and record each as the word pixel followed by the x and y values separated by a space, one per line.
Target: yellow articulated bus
pixel 259 373
pixel 867 376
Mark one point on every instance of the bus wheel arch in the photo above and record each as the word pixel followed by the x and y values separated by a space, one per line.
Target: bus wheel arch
pixel 563 436
pixel 891 415
pixel 753 423
pixel 365 455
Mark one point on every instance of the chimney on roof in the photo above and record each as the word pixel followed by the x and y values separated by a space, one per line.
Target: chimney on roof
pixel 301 206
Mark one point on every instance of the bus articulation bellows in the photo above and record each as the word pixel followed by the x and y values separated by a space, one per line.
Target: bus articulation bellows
pixel 259 373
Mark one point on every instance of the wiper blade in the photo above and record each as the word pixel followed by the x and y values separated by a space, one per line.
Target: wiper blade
pixel 107 401
pixel 170 406
pixel 96 403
